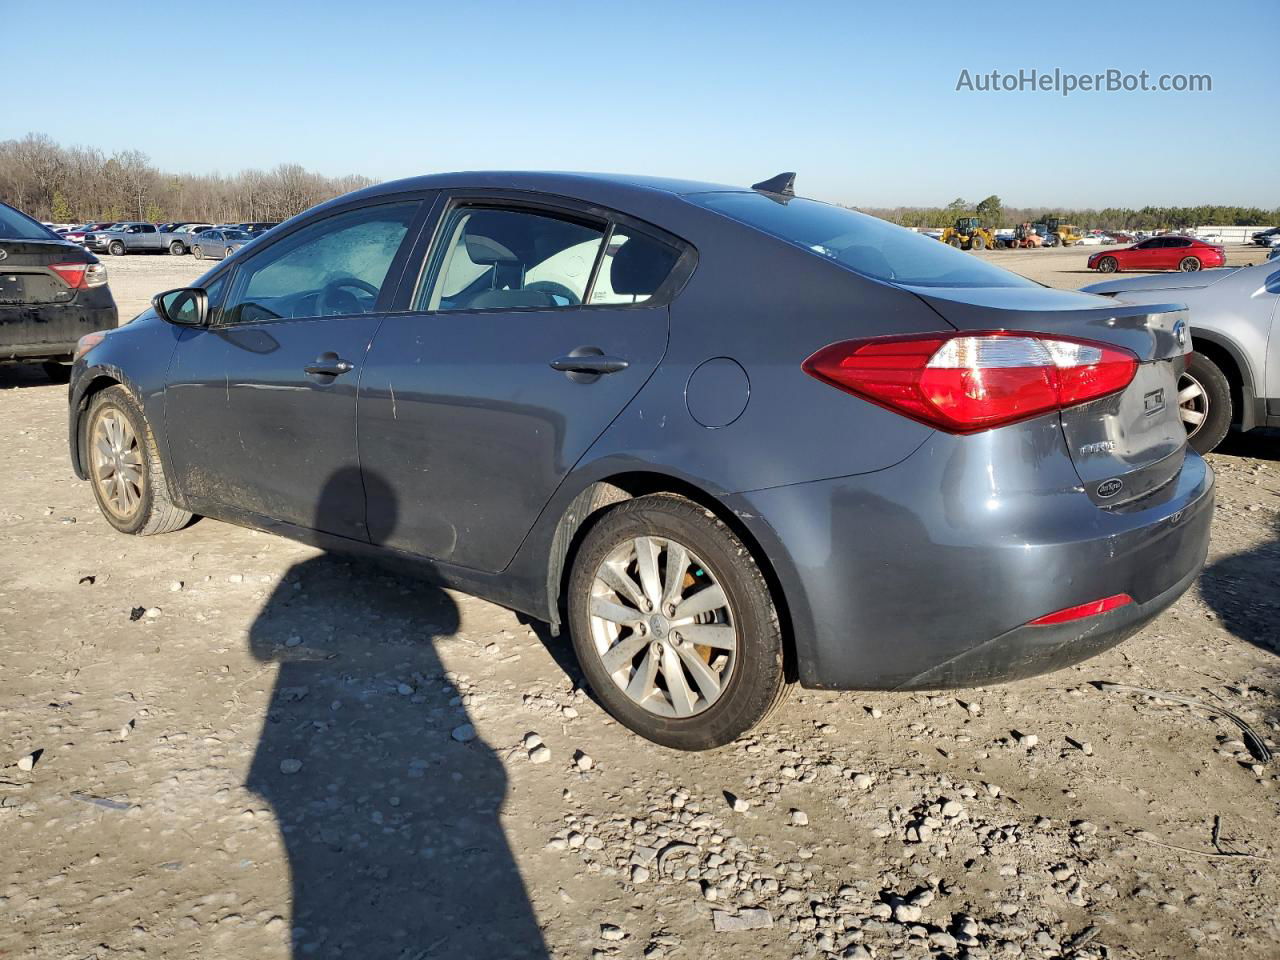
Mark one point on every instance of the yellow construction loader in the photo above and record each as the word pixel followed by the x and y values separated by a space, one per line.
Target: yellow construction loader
pixel 969 234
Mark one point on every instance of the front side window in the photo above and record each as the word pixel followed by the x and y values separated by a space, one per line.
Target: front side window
pixel 334 267
pixel 867 245
pixel 495 259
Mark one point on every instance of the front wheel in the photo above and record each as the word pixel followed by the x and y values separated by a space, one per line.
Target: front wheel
pixel 674 624
pixel 1189 264
pixel 116 248
pixel 124 467
pixel 176 249
pixel 979 243
pixel 197 252
pixel 1204 403
pixel 1108 265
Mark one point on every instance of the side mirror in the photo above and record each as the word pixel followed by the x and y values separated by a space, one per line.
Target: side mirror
pixel 186 306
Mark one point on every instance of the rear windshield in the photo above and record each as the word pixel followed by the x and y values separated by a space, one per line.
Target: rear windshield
pixel 17 226
pixel 867 245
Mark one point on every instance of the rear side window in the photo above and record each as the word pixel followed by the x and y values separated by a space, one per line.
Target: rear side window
pixel 634 268
pixel 864 244
pixel 493 259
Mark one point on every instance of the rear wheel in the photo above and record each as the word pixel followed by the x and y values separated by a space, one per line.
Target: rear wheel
pixel 1204 403
pixel 1108 265
pixel 956 242
pixel 116 248
pixel 124 468
pixel 1189 264
pixel 674 625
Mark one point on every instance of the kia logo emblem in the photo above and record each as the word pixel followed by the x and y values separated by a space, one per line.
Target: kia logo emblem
pixel 1109 488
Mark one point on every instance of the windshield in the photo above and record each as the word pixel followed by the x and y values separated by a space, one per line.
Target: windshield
pixel 18 226
pixel 867 245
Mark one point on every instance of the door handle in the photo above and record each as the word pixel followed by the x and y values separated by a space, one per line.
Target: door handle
pixel 328 365
pixel 590 363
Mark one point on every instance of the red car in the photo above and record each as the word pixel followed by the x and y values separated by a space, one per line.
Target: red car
pixel 1160 253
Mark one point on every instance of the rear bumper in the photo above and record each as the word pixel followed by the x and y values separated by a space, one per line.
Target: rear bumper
pixel 49 331
pixel 926 574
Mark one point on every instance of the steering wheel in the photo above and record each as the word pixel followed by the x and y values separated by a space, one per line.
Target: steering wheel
pixel 337 301
pixel 555 290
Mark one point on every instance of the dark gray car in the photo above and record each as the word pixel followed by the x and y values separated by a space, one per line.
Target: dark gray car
pixel 730 437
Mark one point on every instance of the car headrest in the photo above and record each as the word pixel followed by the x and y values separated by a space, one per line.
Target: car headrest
pixel 487 251
pixel 640 266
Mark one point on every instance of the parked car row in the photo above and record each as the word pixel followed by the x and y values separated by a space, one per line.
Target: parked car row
pixel 204 240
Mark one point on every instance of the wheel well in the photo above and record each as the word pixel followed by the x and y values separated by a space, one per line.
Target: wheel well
pixel 587 507
pixel 96 385
pixel 1223 360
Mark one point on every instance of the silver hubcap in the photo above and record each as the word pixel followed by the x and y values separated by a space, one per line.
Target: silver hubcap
pixel 662 626
pixel 117 463
pixel 1193 403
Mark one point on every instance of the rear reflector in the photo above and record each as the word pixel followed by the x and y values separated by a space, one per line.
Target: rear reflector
pixel 962 382
pixel 1091 609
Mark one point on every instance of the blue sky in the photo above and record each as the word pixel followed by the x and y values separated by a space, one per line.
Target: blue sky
pixel 858 98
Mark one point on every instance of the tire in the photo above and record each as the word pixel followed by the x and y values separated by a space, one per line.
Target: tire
pixel 197 252
pixel 748 681
pixel 145 509
pixel 978 243
pixel 1108 265
pixel 1189 264
pixel 176 249
pixel 56 371
pixel 1204 403
pixel 116 248
pixel 956 242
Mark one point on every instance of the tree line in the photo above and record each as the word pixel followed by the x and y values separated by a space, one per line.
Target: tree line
pixel 78 184
pixel 995 214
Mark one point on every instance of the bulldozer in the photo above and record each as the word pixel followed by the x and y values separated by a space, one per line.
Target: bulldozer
pixel 969 234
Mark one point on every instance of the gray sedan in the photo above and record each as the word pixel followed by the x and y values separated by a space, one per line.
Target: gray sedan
pixel 218 244
pixel 1233 377
pixel 728 437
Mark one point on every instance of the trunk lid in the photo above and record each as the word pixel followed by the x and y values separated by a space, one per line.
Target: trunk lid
pixel 1128 444
pixel 25 277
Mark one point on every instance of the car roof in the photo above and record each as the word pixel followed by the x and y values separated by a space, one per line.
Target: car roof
pixel 633 186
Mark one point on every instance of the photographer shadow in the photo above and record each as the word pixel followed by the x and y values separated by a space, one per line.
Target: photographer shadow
pixel 396 848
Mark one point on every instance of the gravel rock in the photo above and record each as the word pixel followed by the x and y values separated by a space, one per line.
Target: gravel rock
pixel 748 918
pixel 464 733
pixel 290 766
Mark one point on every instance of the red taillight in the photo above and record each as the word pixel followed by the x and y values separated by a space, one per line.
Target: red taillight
pixel 962 382
pixel 72 273
pixel 1091 609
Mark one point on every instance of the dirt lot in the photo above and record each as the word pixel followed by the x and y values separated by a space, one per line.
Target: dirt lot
pixel 246 748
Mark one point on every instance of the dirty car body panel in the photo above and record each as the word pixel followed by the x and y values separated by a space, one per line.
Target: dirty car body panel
pixel 901 555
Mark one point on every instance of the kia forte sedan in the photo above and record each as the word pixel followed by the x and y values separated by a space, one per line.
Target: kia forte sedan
pixel 732 439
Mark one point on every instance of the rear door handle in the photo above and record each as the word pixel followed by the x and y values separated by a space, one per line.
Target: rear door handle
pixel 328 365
pixel 592 364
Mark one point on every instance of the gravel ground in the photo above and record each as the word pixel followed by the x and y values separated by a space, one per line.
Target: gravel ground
pixel 217 743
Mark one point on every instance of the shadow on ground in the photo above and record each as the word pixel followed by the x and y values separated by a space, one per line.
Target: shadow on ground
pixel 392 827
pixel 1242 590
